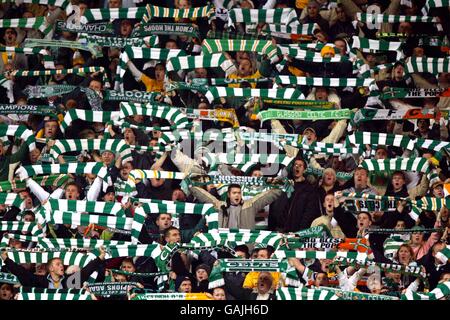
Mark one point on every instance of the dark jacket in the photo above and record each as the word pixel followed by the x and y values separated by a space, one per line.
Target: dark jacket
pixel 28 279
pixel 301 209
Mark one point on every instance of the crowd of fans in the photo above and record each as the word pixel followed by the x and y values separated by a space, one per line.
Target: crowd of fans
pixel 318 184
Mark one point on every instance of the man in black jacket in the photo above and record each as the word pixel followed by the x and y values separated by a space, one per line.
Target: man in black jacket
pixel 55 277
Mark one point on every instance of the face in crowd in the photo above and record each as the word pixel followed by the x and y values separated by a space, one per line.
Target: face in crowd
pixel 361 179
pixel 164 221
pixel 235 196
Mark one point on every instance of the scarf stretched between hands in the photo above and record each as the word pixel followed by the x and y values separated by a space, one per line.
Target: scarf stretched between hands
pixel 353 295
pixel 53 296
pixel 284 93
pixel 306 294
pixel 360 256
pixel 80 219
pixel 152 11
pixel 19 131
pixel 90 28
pixel 266 47
pixel 391 18
pixel 388 139
pixel 138 174
pixel 285 31
pixel 308 55
pixel 284 16
pixel 87 115
pixel 168 113
pixel 214 60
pixel 168 138
pixel 227 115
pixel 137 274
pixel 369 45
pixel 26 109
pixel 45 181
pixel 399 164
pixel 339 175
pixel 63 243
pixel 142 53
pixel 415 271
pixel 113 208
pixel 48 61
pixel 171 296
pixel 114 145
pixel 75 168
pixel 431 65
pixel 304 115
pixel 430 4
pixel 130 96
pixel 48 72
pixel 325 82
pixel 166 29
pixel 441 291
pixel 244 161
pixel 117 42
pixel 91 15
pixel 38 23
pixel 48 91
pixel 13 226
pixel 405 93
pixel 87 46
pixel 106 289
pixel 367 114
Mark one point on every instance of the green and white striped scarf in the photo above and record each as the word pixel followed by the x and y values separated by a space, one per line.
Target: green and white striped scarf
pixel 245 161
pixel 353 295
pixel 301 254
pixel 444 254
pixel 48 61
pixel 19 226
pixel 391 18
pixel 80 219
pixel 85 46
pixel 279 30
pixel 431 65
pixel 441 291
pixel 284 16
pixel 388 139
pixel 48 91
pixel 370 45
pixel 304 115
pixel 190 13
pixel 75 168
pixel 429 4
pixel 284 93
pixel 113 208
pixel 325 82
pixel 306 294
pixel 138 174
pixel 115 145
pixel 202 61
pixel 91 15
pixel 19 131
pixel 87 115
pixel 8 278
pixel 364 202
pixel 169 113
pixel 53 296
pixel 11 199
pixel 210 46
pixel 53 181
pixel 38 23
pixel 399 164
pixel 391 246
pixel 171 137
pixel 49 72
pixel 142 53
pixel 308 55
pixel 232 238
pixel 62 243
pixel 172 207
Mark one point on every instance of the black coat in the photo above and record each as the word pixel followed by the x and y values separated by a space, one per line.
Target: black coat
pixel 301 209
pixel 29 279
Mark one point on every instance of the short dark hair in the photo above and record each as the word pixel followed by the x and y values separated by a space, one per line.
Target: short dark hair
pixel 167 231
pixel 73 183
pixel 233 185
